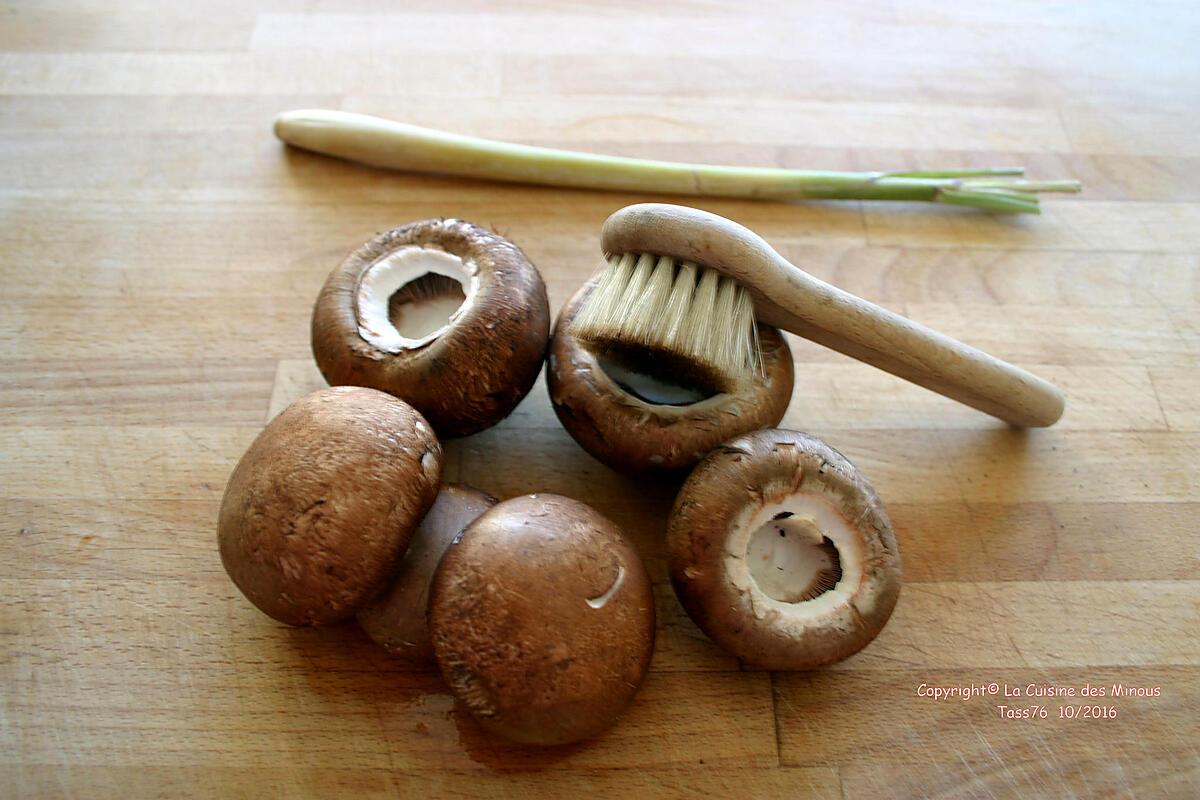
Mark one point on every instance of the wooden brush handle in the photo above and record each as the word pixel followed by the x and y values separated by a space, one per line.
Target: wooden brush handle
pixel 788 297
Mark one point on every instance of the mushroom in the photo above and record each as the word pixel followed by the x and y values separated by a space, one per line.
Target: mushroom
pixel 441 313
pixel 636 422
pixel 396 619
pixel 781 551
pixel 542 619
pixel 323 503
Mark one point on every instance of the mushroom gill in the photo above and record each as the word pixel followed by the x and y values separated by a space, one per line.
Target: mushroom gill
pixel 424 304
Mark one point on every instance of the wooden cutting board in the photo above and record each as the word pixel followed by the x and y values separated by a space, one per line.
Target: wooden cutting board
pixel 161 252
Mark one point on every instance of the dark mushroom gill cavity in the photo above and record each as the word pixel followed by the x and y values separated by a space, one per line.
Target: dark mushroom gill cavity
pixel 653 381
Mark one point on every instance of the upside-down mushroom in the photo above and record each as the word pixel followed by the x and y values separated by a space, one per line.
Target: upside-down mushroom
pixel 782 553
pixel 446 315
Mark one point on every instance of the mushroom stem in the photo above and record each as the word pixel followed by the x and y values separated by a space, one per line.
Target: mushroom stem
pixel 396 145
pixel 798 548
pixel 424 305
pixel 791 560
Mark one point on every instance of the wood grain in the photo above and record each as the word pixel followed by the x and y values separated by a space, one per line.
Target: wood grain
pixel 162 251
pixel 885 748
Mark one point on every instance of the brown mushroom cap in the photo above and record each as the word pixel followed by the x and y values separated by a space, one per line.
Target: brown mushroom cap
pixel 632 435
pixel 322 505
pixel 396 619
pixel 542 619
pixel 782 553
pixel 472 373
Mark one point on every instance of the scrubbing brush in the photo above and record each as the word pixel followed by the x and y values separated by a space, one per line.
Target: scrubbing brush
pixel 684 288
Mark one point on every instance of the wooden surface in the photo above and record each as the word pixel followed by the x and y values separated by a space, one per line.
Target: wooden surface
pixel 161 252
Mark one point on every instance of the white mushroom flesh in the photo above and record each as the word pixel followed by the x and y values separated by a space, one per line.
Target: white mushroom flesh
pixel 790 561
pixel 421 322
pixel 782 554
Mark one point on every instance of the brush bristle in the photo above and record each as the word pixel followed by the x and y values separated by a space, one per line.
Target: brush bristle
pixel 673 316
